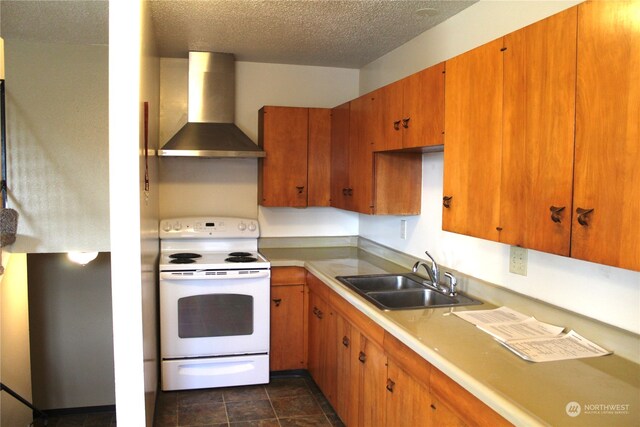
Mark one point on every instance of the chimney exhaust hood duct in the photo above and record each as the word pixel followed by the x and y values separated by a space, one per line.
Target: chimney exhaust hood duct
pixel 210 131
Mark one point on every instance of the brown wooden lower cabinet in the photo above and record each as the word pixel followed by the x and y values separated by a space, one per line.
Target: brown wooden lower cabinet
pixel 288 320
pixel 322 356
pixel 372 379
pixel 468 408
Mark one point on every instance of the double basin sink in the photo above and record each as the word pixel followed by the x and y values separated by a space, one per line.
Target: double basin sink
pixel 402 292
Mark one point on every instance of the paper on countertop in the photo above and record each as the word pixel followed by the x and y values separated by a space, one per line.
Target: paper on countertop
pixel 529 338
pixel 563 347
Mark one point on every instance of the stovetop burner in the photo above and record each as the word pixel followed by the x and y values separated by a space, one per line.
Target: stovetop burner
pixel 241 259
pixel 182 261
pixel 184 255
pixel 244 254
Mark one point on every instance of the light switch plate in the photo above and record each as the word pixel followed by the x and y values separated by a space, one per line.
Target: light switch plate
pixel 518 260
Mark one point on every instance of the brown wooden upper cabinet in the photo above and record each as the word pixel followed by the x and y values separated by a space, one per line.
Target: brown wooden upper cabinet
pixel 542 141
pixel 538 134
pixel 414 111
pixel 340 185
pixel 364 181
pixel 606 193
pixel 295 171
pixel 472 152
pixel 510 107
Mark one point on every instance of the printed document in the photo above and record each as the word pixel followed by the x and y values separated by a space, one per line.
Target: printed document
pixel 529 338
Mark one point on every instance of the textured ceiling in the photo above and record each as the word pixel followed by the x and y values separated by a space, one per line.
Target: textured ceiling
pixel 335 33
pixel 72 21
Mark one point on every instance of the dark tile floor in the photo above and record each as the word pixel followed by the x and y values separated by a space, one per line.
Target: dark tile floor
pixel 286 402
pixel 94 419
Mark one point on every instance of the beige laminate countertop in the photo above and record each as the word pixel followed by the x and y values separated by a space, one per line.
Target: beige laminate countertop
pixel 525 393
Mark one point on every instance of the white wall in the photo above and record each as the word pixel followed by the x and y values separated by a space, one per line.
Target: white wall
pixel 609 294
pixel 70 331
pixel 229 186
pixel 15 366
pixel 126 205
pixel 149 217
pixel 57 144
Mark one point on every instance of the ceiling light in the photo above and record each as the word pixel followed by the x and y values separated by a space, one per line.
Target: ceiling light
pixel 82 258
pixel 426 12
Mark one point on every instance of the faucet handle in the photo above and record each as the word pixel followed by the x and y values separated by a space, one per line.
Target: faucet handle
pixel 416 266
pixel 452 283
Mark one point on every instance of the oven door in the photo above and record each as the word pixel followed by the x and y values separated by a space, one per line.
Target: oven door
pixel 214 315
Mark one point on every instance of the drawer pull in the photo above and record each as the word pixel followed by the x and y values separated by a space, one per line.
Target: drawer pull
pixel 446 201
pixel 345 341
pixel 396 125
pixel 555 213
pixel 390 385
pixel 277 301
pixel 405 122
pixel 362 357
pixel 583 216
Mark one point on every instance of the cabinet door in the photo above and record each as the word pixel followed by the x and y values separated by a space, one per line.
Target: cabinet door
pixel 361 141
pixel 321 355
pixel 373 375
pixel 391 97
pixel 441 415
pixel 538 134
pixel 347 383
pixel 422 121
pixel 606 198
pixel 283 172
pixel 340 156
pixel 287 328
pixel 315 352
pixel 319 157
pixel 453 405
pixel 472 152
pixel 408 401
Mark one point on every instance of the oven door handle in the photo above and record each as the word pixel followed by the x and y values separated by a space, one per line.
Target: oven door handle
pixel 215 274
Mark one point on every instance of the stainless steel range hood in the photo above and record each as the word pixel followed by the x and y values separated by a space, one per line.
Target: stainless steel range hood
pixel 210 131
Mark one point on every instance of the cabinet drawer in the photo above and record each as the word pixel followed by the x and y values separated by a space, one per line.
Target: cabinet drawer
pixel 282 276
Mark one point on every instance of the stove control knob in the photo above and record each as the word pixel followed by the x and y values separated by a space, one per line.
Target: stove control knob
pixel 242 226
pixel 177 226
pixel 252 226
pixel 166 226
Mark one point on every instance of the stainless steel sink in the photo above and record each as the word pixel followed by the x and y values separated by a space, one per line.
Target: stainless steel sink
pixel 402 292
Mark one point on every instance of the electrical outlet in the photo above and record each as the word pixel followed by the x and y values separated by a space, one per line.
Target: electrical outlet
pixel 518 260
pixel 403 229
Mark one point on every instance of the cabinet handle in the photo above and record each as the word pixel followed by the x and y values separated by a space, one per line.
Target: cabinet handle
pixel 390 385
pixel 345 341
pixel 362 357
pixel 396 125
pixel 320 314
pixel 349 191
pixel 344 191
pixel 555 213
pixel 277 301
pixel 405 122
pixel 315 311
pixel 300 189
pixel 446 201
pixel 583 216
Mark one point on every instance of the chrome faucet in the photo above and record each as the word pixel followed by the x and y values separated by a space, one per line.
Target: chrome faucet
pixel 452 283
pixel 432 271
